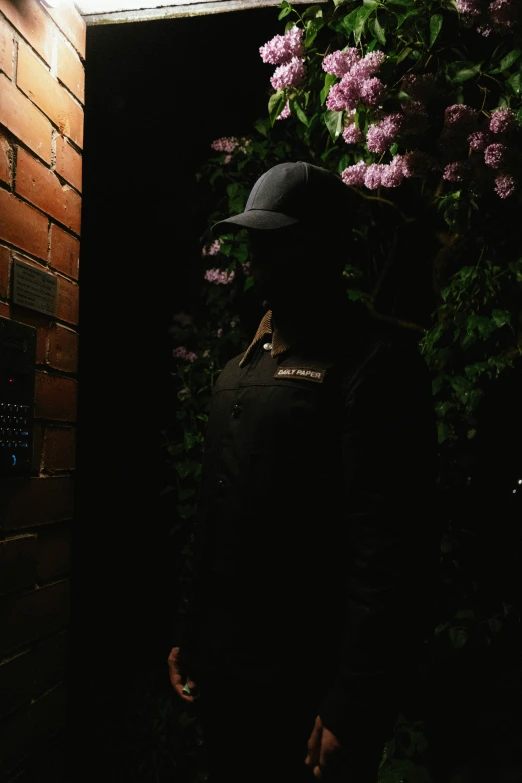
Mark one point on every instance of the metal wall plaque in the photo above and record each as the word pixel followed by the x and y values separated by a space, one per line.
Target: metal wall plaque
pixel 34 288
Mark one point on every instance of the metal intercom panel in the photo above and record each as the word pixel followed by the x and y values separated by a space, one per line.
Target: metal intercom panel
pixel 17 372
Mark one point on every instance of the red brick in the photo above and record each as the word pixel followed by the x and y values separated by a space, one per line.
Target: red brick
pixel 24 120
pixel 35 729
pixel 70 70
pixel 14 735
pixel 68 301
pixel 54 552
pixel 68 163
pixel 33 672
pixel 6 159
pixel 5 310
pixel 5 263
pixel 47 716
pixel 31 21
pixel 55 397
pixel 18 557
pixel 29 616
pixel 42 188
pixel 22 226
pixel 65 252
pixel 6 49
pixel 50 661
pixel 28 502
pixel 71 24
pixel 43 89
pixel 63 349
pixel 60 448
pixel 40 321
pixel 37 447
pixel 16 686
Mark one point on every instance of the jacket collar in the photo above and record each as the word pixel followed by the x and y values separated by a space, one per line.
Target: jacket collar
pixel 265 329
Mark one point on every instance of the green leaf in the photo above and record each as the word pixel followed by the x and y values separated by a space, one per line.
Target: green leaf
pixel 507 61
pixel 378 31
pixel 276 104
pixel 349 21
pixel 287 9
pixel 401 18
pixel 362 16
pixel 334 122
pixel 354 295
pixel 458 636
pixel 328 81
pixel 300 114
pixel 460 384
pixel 405 52
pixel 436 23
pixel 249 282
pixel 463 70
pixel 481 324
pixel 501 317
pixel 312 27
pixel 185 512
pixel 443 430
pixel 262 126
pixel 189 440
pixel 515 82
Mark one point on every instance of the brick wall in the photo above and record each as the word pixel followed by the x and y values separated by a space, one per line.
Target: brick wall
pixel 41 136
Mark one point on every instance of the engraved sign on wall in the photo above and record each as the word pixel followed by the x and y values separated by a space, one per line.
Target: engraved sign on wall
pixel 34 288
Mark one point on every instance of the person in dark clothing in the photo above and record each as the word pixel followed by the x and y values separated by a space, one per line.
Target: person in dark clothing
pixel 316 539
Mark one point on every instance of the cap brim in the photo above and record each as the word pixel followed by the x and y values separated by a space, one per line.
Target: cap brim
pixel 255 218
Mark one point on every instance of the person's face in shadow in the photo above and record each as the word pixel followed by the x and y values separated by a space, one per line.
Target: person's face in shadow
pixel 280 264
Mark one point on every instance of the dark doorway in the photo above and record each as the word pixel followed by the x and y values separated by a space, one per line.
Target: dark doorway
pixel 157 94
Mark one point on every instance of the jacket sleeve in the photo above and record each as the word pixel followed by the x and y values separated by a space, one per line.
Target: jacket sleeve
pixel 390 539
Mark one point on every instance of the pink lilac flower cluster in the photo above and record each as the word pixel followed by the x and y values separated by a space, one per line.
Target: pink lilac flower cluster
pixel 289 74
pixel 498 155
pixel 352 134
pixel 230 144
pixel 387 175
pixel 182 353
pixel 225 144
pixel 182 318
pixel 358 83
pixel 499 15
pixel 491 156
pixel 212 249
pixel 502 121
pixel 382 134
pixel 218 276
pixel 287 51
pixel 283 48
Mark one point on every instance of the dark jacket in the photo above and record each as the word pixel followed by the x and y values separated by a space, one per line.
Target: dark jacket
pixel 316 538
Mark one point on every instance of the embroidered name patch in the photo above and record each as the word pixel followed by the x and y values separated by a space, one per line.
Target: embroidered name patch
pixel 301 373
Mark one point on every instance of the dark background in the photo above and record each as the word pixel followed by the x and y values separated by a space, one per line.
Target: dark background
pixel 157 94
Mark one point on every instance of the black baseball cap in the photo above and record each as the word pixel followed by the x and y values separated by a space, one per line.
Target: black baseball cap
pixel 287 194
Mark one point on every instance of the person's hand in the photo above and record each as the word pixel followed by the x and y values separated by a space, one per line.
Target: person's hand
pixel 321 746
pixel 178 680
